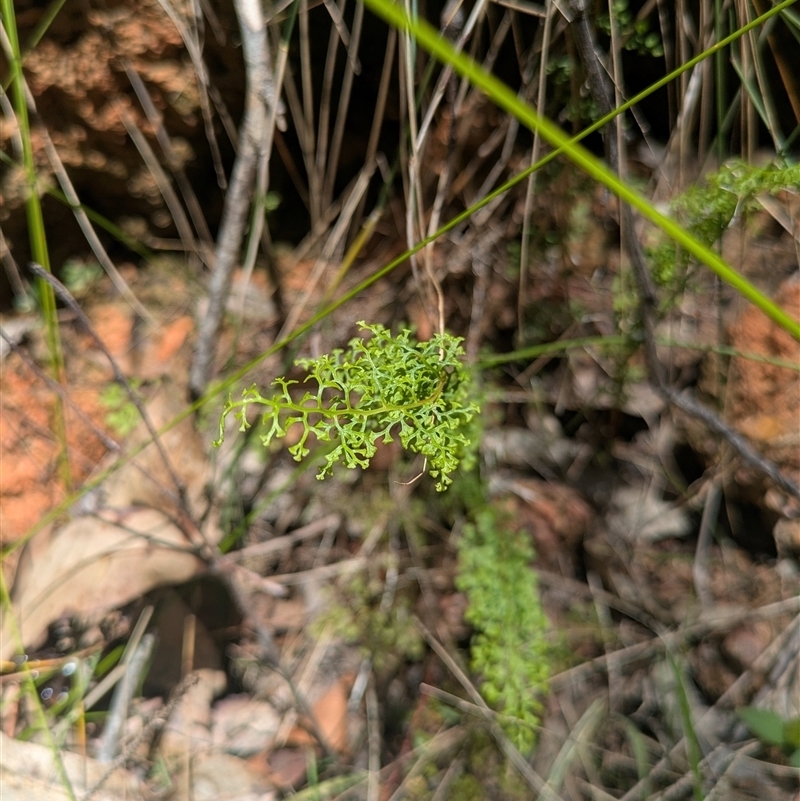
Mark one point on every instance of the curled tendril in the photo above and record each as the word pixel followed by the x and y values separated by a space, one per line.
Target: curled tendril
pixel 378 388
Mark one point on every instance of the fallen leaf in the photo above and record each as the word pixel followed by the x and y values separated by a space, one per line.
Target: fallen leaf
pixel 129 545
pixel 93 565
pixel 28 770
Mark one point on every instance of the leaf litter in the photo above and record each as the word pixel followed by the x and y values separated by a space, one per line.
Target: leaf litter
pixel 124 546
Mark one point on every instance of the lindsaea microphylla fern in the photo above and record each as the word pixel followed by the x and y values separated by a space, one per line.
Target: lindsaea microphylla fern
pixel 378 388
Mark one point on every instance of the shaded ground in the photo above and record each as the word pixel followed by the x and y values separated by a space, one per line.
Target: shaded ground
pixel 618 562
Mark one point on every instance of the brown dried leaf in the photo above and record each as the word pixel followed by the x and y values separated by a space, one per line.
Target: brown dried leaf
pixel 92 565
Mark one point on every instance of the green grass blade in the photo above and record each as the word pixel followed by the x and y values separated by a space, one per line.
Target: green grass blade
pixel 506 99
pixel 36 231
pixel 619 340
pixel 693 750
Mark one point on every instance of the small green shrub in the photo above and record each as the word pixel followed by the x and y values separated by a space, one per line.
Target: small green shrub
pixel 378 387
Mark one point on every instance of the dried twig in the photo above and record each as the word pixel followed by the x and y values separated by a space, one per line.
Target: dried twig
pixel 704 539
pixel 237 202
pixel 159 176
pixel 122 698
pixel 206 90
pixel 156 120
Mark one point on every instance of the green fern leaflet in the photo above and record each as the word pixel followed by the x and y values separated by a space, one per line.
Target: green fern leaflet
pixel 378 388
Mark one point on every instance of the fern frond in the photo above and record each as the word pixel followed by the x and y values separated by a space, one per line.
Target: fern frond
pixel 379 388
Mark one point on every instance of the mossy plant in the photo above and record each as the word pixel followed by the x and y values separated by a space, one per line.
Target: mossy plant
pixel 380 387
pixel 708 209
pixel 359 614
pixel 509 649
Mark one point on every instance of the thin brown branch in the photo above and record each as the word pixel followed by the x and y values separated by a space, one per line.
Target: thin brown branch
pixel 237 202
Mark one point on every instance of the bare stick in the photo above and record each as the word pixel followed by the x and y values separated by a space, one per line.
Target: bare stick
pixel 708 523
pixel 259 232
pixel 307 143
pixel 195 51
pixel 159 176
pixel 351 70
pixel 156 120
pixel 237 201
pixel 122 698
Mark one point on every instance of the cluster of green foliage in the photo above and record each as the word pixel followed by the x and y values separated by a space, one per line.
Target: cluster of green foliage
pixel 634 33
pixel 706 210
pixel 377 387
pixel 509 648
pixel 122 416
pixel 385 631
pixel 772 729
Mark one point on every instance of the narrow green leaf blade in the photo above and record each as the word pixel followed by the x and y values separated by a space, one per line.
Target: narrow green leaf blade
pixel 506 99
